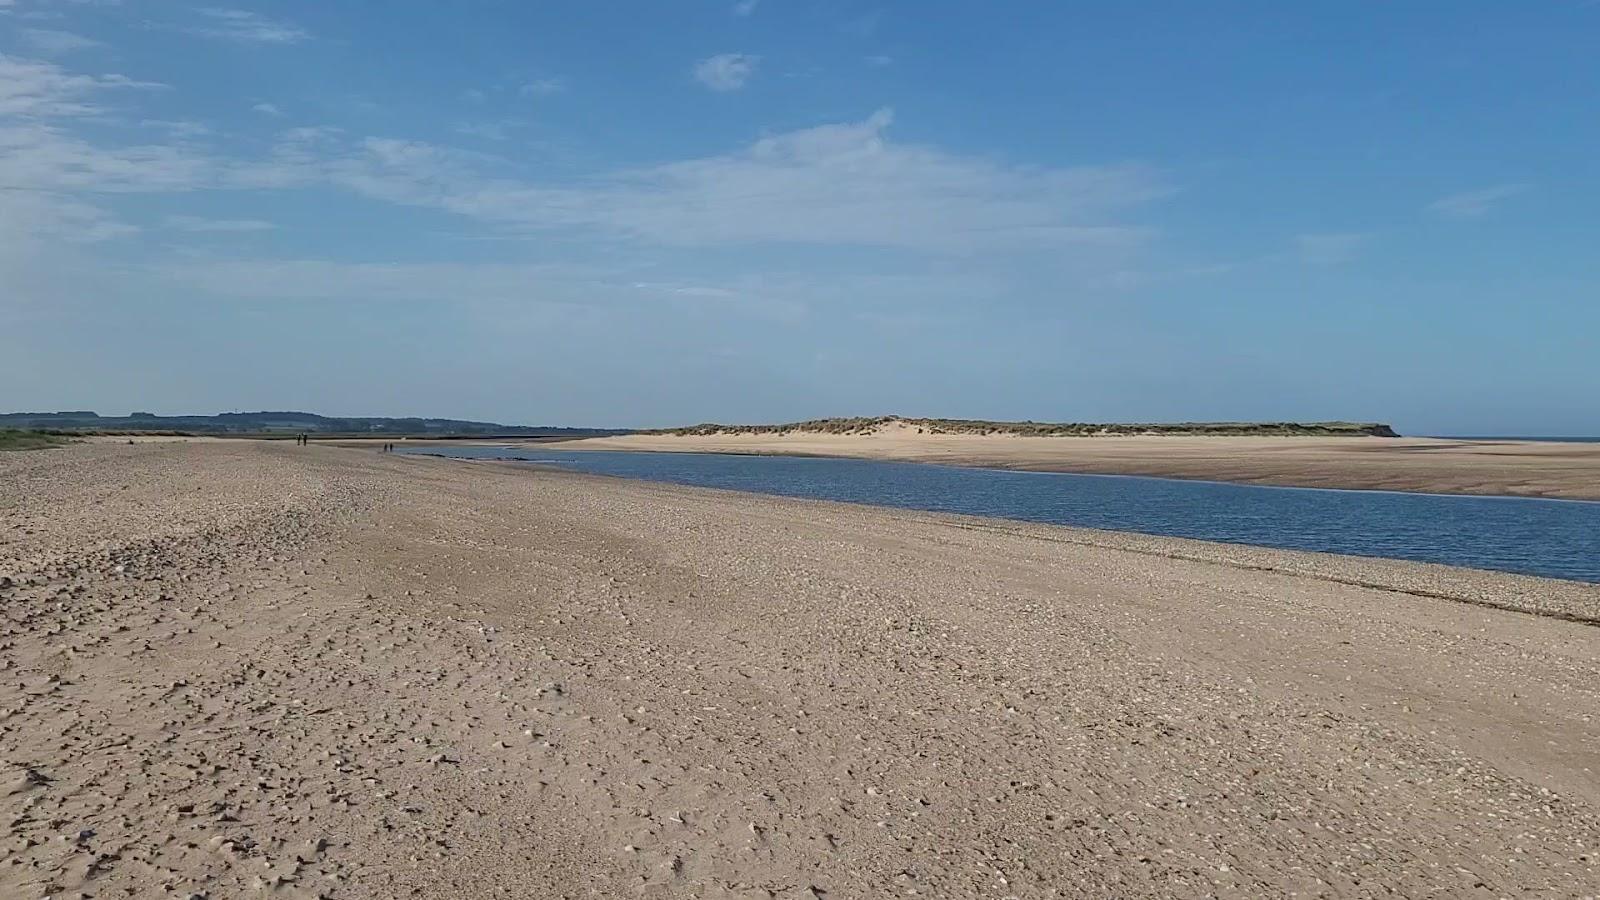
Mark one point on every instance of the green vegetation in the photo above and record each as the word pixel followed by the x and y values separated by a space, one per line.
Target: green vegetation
pixel 14 439
pixel 870 424
pixel 258 424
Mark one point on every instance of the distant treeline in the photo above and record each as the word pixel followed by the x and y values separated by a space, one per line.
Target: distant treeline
pixel 870 424
pixel 85 421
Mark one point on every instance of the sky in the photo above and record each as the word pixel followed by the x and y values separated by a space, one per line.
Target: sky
pixel 660 213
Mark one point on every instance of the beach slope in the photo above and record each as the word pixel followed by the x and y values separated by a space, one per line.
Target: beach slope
pixel 320 672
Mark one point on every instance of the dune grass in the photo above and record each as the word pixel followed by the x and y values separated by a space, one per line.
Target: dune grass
pixel 869 424
pixel 14 439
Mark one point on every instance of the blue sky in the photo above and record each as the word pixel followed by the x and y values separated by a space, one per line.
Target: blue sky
pixel 658 213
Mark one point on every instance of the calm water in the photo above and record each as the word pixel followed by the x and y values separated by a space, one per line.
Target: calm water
pixel 1502 437
pixel 1556 538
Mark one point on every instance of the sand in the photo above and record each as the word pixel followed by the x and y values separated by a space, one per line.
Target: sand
pixel 252 669
pixel 1431 465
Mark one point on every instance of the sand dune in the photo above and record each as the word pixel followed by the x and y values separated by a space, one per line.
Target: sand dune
pixel 254 669
pixel 1514 468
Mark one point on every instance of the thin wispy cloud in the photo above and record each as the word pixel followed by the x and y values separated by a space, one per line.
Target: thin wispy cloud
pixel 492 131
pixel 49 158
pixel 27 216
pixel 1328 249
pixel 307 279
pixel 50 41
pixel 1472 204
pixel 840 184
pixel 864 25
pixel 726 71
pixel 178 129
pixel 244 26
pixel 543 87
pixel 201 225
pixel 837 184
pixel 41 164
pixel 267 109
pixel 39 89
pixel 549 285
pixel 745 7
pixel 834 184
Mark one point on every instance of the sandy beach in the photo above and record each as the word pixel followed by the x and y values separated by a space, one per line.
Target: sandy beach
pixel 1431 465
pixel 255 669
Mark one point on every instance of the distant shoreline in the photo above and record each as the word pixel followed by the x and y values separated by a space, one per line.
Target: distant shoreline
pixel 866 425
pixel 1536 439
pixel 1567 470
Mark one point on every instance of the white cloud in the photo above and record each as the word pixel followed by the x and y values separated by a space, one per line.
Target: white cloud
pixel 178 129
pixel 841 184
pixel 47 40
pixel 35 156
pixel 543 87
pixel 267 109
pixel 726 71
pixel 245 26
pixel 39 89
pixel 202 225
pixel 41 165
pixel 745 7
pixel 27 215
pixel 1472 204
pixel 1328 248
pixel 844 184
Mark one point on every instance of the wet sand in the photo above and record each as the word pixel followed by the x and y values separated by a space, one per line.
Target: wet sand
pixel 1430 465
pixel 243 668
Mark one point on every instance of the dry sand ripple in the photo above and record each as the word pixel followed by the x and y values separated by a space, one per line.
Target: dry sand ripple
pixel 240 669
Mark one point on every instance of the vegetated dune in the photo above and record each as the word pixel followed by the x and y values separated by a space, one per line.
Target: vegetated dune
pixel 1298 455
pixel 870 425
pixel 22 439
